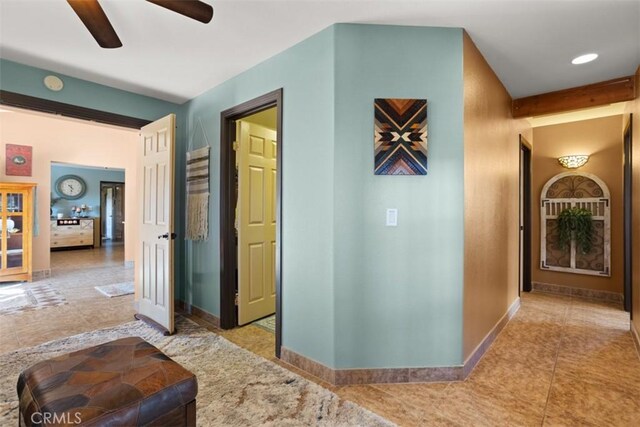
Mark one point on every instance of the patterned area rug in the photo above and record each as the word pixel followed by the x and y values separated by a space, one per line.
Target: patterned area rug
pixel 116 290
pixel 236 388
pixel 24 296
pixel 267 323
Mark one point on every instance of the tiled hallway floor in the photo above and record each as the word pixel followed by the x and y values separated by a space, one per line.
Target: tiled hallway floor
pixel 74 274
pixel 560 361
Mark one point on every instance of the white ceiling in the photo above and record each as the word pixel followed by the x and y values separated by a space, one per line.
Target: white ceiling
pixel 529 43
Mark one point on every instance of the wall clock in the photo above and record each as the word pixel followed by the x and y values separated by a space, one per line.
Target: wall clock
pixel 71 187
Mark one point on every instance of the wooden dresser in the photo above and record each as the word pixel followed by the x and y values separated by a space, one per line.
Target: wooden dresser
pixel 72 232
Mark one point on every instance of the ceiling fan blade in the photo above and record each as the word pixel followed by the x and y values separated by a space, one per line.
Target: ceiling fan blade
pixel 93 17
pixel 194 9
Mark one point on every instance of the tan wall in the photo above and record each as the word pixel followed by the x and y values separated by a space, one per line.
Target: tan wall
pixel 601 139
pixel 56 139
pixel 634 108
pixel 491 198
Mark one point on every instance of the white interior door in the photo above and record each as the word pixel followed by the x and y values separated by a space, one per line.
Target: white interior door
pixel 256 222
pixel 155 241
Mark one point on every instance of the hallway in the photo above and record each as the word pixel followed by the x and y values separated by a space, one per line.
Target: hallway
pixel 560 361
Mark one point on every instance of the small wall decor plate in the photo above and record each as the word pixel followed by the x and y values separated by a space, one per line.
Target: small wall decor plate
pixel 18 160
pixel 400 136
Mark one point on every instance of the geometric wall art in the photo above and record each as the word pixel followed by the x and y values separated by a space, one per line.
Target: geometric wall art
pixel 400 136
pixel 18 160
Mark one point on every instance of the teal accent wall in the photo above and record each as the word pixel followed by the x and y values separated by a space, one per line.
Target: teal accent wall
pixel 306 74
pixel 26 80
pixel 356 294
pixel 92 177
pixel 398 290
pixel 19 78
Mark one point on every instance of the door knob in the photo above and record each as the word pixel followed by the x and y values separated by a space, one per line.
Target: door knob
pixel 166 236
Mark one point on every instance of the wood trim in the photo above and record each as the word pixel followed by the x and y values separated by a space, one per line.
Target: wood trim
pixel 525 175
pixel 592 95
pixel 371 376
pixel 228 251
pixel 400 375
pixel 205 315
pixel 635 336
pixel 228 196
pixel 278 273
pixel 484 345
pixel 628 215
pixel 18 100
pixel 595 294
pixel 310 366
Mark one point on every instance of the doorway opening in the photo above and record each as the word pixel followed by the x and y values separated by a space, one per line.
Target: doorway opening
pixel 86 202
pixel 251 214
pixel 112 212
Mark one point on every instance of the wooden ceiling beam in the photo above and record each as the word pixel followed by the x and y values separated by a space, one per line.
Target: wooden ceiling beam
pixel 593 95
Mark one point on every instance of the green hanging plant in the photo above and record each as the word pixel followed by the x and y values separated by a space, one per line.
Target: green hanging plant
pixel 575 224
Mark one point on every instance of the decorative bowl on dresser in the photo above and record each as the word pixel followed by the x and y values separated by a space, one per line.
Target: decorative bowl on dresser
pixel 72 233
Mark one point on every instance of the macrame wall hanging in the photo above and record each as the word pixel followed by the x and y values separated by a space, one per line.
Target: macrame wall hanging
pixel 198 194
pixel 576 190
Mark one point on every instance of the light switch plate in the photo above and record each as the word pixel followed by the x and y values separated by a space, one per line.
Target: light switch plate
pixel 392 217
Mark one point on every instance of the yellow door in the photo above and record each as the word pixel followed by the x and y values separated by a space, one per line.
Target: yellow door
pixel 256 219
pixel 154 258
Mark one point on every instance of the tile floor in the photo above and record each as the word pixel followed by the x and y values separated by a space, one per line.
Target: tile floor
pixel 560 361
pixel 74 274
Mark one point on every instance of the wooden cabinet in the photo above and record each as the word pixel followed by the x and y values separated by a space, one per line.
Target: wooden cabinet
pixel 16 223
pixel 97 232
pixel 72 232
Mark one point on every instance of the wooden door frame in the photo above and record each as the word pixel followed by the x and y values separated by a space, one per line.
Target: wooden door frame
pixel 525 215
pixel 628 215
pixel 19 100
pixel 102 219
pixel 228 197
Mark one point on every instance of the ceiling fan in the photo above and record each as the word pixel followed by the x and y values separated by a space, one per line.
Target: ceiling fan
pixel 93 17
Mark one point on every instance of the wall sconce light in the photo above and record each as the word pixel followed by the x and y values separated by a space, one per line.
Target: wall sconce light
pixel 573 161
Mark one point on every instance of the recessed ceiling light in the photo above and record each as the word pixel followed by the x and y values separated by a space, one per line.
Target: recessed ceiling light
pixel 583 59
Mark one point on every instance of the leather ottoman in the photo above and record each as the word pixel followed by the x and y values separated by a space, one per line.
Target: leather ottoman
pixel 127 382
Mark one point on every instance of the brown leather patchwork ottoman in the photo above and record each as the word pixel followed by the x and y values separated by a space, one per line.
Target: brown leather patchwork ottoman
pixel 127 382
